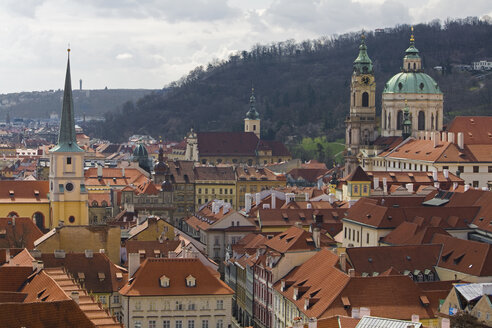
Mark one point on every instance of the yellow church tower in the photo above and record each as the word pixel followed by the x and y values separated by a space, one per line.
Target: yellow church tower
pixel 68 196
pixel 252 120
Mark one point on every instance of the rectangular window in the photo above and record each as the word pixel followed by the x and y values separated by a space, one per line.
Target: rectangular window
pixel 367 238
pixel 138 305
pixel 138 324
pixel 475 169
pixel 357 236
pixel 461 169
pixel 204 323
pixel 345 232
pixel 490 169
pixel 220 323
pixel 220 191
pixel 475 184
pixel 116 298
pixel 166 324
pixel 199 190
pixel 230 191
pixel 152 324
pixel 152 306
pixel 220 304
pixel 69 160
pixel 191 323
pixel 102 299
pixel 179 324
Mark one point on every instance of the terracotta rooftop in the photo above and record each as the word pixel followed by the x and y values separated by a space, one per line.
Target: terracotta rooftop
pixel 227 143
pixel 466 256
pixel 18 233
pixel 147 278
pixel 404 259
pixel 308 174
pixel 182 171
pixel 250 173
pixel 214 173
pixel 412 233
pixel 296 239
pixel 18 191
pixel 476 129
pixel 149 249
pixel 114 177
pixel 357 175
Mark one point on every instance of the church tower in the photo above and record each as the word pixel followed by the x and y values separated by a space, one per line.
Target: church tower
pixel 252 120
pixel 361 127
pixel 68 196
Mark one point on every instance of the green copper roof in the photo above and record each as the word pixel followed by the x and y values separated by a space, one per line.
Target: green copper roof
pixel 140 151
pixel 412 82
pixel 363 64
pixel 67 140
pixel 252 114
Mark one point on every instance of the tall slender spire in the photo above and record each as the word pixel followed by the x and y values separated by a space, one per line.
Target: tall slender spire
pixel 252 113
pixel 363 64
pixel 67 139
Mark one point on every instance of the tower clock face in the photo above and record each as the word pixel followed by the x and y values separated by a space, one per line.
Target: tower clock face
pixel 365 79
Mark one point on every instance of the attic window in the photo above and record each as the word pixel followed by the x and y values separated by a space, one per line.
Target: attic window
pixel 289 239
pixel 101 276
pixel 445 257
pixel 408 258
pixel 190 281
pixel 370 260
pixel 36 193
pixel 119 275
pixel 164 281
pixel 421 86
pixel 345 302
pixel 458 259
pixel 11 193
pixel 81 276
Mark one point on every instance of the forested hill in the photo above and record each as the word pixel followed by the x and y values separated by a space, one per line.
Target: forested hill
pixel 302 89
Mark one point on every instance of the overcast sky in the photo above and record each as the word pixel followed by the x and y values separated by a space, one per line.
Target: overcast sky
pixel 149 43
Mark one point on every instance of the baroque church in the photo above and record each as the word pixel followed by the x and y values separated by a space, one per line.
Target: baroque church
pixel 412 105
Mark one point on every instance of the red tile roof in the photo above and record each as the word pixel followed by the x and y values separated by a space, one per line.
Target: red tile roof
pixel 357 175
pixel 466 256
pixel 476 129
pixel 215 173
pixel 114 177
pixel 18 233
pixel 149 248
pixel 146 279
pixel 227 143
pixel 412 233
pixel 309 174
pixel 24 191
pixel 43 315
pixel 12 277
pixel 296 239
pixel 400 258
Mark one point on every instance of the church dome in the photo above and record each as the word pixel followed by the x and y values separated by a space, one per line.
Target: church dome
pixel 412 82
pixel 140 151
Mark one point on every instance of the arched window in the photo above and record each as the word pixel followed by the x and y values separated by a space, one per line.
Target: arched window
pixel 432 121
pixel 421 123
pixel 408 65
pixel 437 121
pixel 389 120
pixel 104 203
pixel 414 66
pixel 13 215
pixel 94 203
pixel 38 219
pixel 399 120
pixel 365 99
pixel 353 100
pixel 384 119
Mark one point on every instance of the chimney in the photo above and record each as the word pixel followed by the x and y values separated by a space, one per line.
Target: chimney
pixel 355 313
pixel 455 185
pixel 451 137
pixel 444 136
pixel 437 185
pixel 351 272
pixel 88 253
pixel 247 202
pixel 364 312
pixel 309 206
pixel 376 182
pixel 99 171
pixel 434 175
pixel 298 225
pixel 306 196
pixel 410 187
pixel 257 198
pixel 436 139
pixel 427 135
pixel 317 237
pixel 343 262
pixel 274 200
pixel 467 186
pixel 461 140
pixel 446 173
pixel 75 296
pixel 415 318
pixel 313 323
pixel 298 322
pixel 123 172
pixel 445 323
pixel 385 186
pixel 133 263
pixel 59 254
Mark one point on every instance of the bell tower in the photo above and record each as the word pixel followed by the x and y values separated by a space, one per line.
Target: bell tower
pixel 361 127
pixel 252 120
pixel 68 196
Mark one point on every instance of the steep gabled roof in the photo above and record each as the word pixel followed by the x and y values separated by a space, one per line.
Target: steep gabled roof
pixel 145 281
pixel 19 233
pixel 476 129
pixel 295 239
pixel 357 175
pixel 227 143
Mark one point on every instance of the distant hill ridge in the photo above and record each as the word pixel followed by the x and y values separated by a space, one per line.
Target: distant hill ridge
pixel 40 104
pixel 302 89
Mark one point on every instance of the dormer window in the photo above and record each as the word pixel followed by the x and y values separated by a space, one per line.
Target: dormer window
pixel 190 281
pixel 164 281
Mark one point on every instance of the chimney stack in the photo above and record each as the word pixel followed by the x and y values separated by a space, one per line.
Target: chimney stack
pixel 99 171
pixel 313 323
pixel 247 202
pixel 306 196
pixel 446 173
pixel 75 296
pixel 444 136
pixel 317 237
pixel 351 272
pixel 461 140
pixel 385 186
pixel 376 182
pixel 343 262
pixel 451 137
pixel 133 263
pixel 467 186
pixel 274 200
pixel 410 187
pixel 434 175
pixel 258 198
pixel 436 139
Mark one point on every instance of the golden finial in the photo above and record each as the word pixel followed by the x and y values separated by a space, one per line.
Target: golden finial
pixel 68 50
pixel 412 39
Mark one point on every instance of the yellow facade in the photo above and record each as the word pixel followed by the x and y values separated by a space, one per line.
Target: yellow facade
pixel 27 210
pixel 155 229
pixel 68 196
pixel 77 239
pixel 206 191
pixel 354 190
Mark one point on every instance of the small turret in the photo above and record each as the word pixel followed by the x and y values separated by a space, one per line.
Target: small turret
pixel 252 120
pixel 412 61
pixel 363 64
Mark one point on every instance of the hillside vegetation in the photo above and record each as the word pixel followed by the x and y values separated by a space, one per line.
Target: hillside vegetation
pixel 302 89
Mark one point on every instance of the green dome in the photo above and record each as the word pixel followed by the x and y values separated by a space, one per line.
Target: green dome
pixel 412 82
pixel 140 151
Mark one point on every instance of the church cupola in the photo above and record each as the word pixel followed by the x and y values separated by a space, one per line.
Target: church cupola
pixel 363 64
pixel 252 120
pixel 412 61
